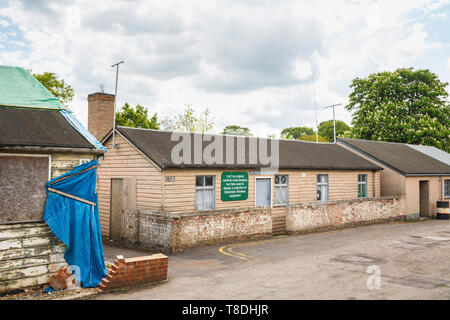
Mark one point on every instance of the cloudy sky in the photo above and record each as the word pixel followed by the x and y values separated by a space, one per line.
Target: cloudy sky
pixel 253 63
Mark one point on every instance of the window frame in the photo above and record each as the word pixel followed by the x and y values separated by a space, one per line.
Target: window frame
pixel 327 184
pixel 281 185
pixel 366 183
pixel 204 187
pixel 447 182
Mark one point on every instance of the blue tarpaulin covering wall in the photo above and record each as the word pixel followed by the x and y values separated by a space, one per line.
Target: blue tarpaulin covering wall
pixel 76 221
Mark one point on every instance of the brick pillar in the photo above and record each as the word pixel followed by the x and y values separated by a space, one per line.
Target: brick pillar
pixel 100 114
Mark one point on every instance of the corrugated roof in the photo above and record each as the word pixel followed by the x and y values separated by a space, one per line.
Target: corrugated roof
pixel 21 127
pixel 158 145
pixel 433 152
pixel 399 156
pixel 18 88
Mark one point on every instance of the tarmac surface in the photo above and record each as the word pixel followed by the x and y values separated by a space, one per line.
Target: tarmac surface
pixel 399 260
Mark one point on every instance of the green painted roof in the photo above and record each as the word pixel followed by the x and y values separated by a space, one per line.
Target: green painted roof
pixel 18 88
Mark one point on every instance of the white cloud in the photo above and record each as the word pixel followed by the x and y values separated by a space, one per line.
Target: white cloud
pixel 251 62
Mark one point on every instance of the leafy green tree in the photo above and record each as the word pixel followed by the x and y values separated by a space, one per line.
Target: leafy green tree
pixel 409 106
pixel 311 138
pixel 58 87
pixel 136 118
pixel 296 132
pixel 189 122
pixel 237 131
pixel 326 129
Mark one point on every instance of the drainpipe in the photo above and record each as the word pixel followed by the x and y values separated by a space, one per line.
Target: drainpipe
pixel 442 188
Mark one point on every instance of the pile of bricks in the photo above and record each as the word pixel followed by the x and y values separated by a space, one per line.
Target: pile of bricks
pixel 135 271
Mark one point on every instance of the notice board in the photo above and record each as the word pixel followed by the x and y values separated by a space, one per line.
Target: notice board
pixel 234 186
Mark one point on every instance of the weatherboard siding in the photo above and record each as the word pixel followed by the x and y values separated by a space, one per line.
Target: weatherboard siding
pixel 124 162
pixel 179 195
pixel 64 162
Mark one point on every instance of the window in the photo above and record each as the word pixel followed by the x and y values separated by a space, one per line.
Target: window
pixel 322 187
pixel 446 188
pixel 281 190
pixel 205 194
pixel 362 185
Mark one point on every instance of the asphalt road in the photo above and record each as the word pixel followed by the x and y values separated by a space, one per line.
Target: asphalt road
pixel 402 260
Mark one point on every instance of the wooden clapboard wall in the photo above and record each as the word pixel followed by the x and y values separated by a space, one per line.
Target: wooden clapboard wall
pixel 177 193
pixel 127 162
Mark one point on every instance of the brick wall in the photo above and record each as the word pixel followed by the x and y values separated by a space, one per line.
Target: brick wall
pixel 29 254
pixel 155 230
pixel 175 232
pixel 100 114
pixel 135 271
pixel 310 216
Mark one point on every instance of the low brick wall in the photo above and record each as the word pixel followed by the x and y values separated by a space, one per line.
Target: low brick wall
pixel 310 216
pixel 173 233
pixel 135 271
pixel 29 254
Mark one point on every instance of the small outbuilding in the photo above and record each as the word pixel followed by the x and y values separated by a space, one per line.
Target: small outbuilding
pixel 421 174
pixel 39 140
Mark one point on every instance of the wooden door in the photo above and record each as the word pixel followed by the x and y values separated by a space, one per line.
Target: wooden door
pixel 262 192
pixel 424 199
pixel 123 206
pixel 116 225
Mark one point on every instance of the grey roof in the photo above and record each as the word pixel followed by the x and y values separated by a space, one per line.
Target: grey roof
pixel 158 145
pixel 433 152
pixel 23 127
pixel 399 156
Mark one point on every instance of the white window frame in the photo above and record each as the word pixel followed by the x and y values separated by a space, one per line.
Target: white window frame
pixel 327 184
pixel 366 183
pixel 254 192
pixel 280 186
pixel 447 194
pixel 213 187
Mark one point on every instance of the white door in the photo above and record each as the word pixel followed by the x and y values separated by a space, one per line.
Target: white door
pixel 262 192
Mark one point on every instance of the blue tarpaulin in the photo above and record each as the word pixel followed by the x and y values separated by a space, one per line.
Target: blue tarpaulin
pixel 77 223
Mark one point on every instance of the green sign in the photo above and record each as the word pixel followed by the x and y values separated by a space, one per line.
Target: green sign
pixel 234 186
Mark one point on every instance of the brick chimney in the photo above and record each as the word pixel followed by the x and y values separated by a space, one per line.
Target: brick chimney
pixel 100 114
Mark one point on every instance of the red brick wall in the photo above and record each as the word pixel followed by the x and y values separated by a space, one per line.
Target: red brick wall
pixel 135 271
pixel 100 114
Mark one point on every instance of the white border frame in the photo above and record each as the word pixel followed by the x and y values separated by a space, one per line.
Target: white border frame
pixel 271 191
pixel 287 185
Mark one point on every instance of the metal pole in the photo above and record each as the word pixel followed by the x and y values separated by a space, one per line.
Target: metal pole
pixel 334 125
pixel 115 101
pixel 315 109
pixel 334 118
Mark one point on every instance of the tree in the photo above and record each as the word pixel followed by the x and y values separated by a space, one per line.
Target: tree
pixel 326 129
pixel 59 88
pixel 189 122
pixel 136 118
pixel 311 138
pixel 296 132
pixel 402 106
pixel 237 131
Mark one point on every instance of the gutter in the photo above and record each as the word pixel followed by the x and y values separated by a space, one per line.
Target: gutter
pixel 53 149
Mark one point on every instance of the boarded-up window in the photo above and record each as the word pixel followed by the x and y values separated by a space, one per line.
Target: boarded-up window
pixel 22 192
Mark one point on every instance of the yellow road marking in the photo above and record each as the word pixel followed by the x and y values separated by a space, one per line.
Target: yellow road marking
pixel 228 249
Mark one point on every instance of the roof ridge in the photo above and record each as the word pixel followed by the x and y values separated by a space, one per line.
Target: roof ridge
pixel 226 135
